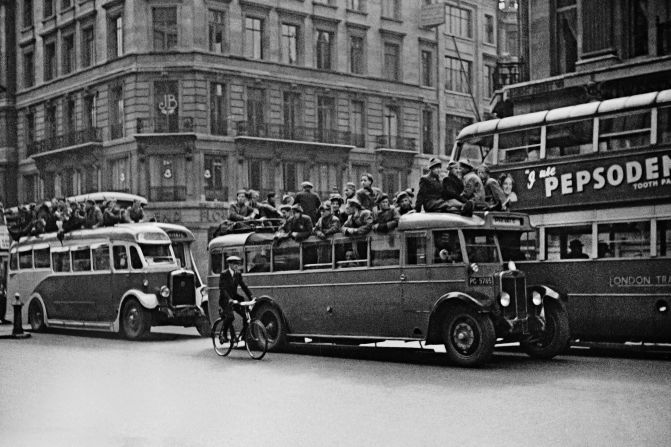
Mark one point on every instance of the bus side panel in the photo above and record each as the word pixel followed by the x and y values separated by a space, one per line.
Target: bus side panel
pixel 613 299
pixel 23 283
pixel 71 297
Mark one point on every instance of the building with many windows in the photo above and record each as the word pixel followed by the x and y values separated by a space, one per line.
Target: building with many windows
pixel 185 101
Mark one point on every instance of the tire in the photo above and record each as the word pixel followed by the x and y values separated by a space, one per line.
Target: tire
pixel 222 347
pixel 468 336
pixel 203 326
pixel 36 316
pixel 556 336
pixel 135 320
pixel 256 340
pixel 272 320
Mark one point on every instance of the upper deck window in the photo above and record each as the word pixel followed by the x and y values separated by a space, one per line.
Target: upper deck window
pixel 624 131
pixel 568 139
pixel 476 149
pixel 352 253
pixel 664 125
pixel 257 258
pixel 317 255
pixel 664 238
pixel 481 246
pixel 156 253
pixel 286 258
pixel 519 146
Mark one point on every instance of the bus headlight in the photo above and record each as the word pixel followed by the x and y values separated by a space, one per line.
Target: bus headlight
pixel 165 291
pixel 536 298
pixel 474 268
pixel 504 299
pixel 511 265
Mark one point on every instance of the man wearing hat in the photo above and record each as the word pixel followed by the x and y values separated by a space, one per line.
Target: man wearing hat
pixel 298 226
pixel 93 216
pixel 337 208
pixel 385 218
pixel 309 201
pixel 576 250
pixel 474 190
pixel 367 195
pixel 430 195
pixel 494 195
pixel 359 222
pixel 404 203
pixel 285 225
pixel 328 224
pixel 229 281
pixel 453 185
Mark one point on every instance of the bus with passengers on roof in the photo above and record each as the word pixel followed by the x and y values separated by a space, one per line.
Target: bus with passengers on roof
pixel 595 179
pixel 439 278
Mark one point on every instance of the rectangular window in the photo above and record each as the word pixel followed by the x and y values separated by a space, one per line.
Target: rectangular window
pixel 427 131
pixel 218 121
pixel 289 44
pixel 664 238
pixel 50 120
pixel 27 13
pixel 566 38
pixel 324 49
pixel 624 131
pixel 664 125
pixel 427 68
pixel 567 139
pixel 165 28
pixel 257 258
pixel 30 127
pixel 390 125
pixel 481 246
pixel 351 254
pixel 42 258
pixel 88 47
pixel 291 108
pixel 101 257
pixel 390 9
pixel 317 255
pixel 415 248
pixel 26 259
pixel 119 172
pixel 356 5
pixel 358 124
pixel 60 260
pixel 286 258
pixel 391 61
pixel 447 248
pixel 253 38
pixel 214 172
pixel 120 257
pixel 356 54
pixel 256 111
pixel 28 69
pixel 217 31
pixel 81 259
pixel 89 118
pixel 459 22
pixel 385 251
pixel 488 80
pixel 48 8
pixel 624 240
pixel 69 118
pixel 457 74
pixel 115 37
pixel 261 176
pixel 49 61
pixel 519 146
pixel 325 118
pixel 116 112
pixel 489 28
pixel 568 242
pixel 68 50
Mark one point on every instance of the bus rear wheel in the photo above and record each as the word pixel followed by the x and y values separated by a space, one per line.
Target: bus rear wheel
pixel 276 330
pixel 554 339
pixel 135 320
pixel 469 336
pixel 36 316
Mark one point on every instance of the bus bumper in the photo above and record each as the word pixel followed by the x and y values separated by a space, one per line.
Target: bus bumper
pixel 179 316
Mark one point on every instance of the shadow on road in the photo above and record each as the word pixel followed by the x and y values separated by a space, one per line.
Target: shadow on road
pixel 151 337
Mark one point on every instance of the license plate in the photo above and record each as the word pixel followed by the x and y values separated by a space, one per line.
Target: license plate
pixel 481 281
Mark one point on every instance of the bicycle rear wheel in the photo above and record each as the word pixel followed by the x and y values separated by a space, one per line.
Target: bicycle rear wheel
pixel 256 340
pixel 223 343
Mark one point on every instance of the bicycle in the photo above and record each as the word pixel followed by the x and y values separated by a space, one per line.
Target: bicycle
pixel 253 333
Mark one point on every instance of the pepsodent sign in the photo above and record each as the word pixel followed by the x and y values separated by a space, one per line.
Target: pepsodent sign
pixel 650 172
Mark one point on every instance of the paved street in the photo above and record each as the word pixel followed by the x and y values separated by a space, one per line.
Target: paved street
pixel 83 389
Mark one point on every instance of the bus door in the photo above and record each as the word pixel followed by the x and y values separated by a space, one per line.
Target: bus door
pixel 368 297
pixel 120 281
pixel 102 276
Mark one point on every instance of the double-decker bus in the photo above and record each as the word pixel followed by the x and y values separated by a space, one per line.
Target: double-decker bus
pixel 439 278
pixel 124 278
pixel 596 181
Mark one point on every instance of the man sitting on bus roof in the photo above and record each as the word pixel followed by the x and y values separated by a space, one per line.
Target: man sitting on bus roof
pixel 135 212
pixel 404 203
pixel 494 195
pixel 474 190
pixel 386 217
pixel 359 222
pixel 430 194
pixel 328 224
pixel 300 224
pixel 283 229
pixel 93 215
pixel 240 210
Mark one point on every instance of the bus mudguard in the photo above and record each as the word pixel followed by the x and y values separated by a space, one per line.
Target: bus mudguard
pixel 460 296
pixel 148 300
pixel 545 291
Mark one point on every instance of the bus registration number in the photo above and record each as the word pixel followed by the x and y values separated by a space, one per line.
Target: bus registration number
pixel 481 281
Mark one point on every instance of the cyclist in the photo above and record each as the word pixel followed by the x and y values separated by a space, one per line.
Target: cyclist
pixel 229 280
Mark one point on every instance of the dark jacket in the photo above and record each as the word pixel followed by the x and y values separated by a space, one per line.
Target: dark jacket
pixel 237 212
pixel 324 228
pixel 94 217
pixel 453 187
pixel 494 195
pixel 359 224
pixel 430 194
pixel 368 197
pixel 228 288
pixel 387 220
pixel 310 203
pixel 302 225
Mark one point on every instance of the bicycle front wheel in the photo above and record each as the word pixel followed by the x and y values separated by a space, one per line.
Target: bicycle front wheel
pixel 256 340
pixel 223 343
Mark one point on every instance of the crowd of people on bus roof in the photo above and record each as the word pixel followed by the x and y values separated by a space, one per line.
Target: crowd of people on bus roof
pixel 359 211
pixel 62 215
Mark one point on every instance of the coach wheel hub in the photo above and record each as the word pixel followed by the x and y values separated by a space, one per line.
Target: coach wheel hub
pixel 463 336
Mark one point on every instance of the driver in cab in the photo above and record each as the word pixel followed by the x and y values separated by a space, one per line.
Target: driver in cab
pixel 229 281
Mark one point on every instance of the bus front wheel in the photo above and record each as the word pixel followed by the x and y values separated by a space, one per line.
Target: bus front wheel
pixel 272 320
pixel 136 321
pixel 554 338
pixel 469 336
pixel 36 316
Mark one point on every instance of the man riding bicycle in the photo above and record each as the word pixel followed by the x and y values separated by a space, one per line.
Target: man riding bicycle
pixel 229 280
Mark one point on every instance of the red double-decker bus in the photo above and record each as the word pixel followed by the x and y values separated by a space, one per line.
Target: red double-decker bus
pixel 596 181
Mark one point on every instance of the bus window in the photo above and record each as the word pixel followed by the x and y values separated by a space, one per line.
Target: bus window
pixel 286 258
pixel 664 238
pixel 257 259
pixel 518 246
pixel 385 250
pixel 317 255
pixel 625 131
pixel 179 248
pixel 664 125
pixel 120 257
pixel 135 258
pixel 81 259
pixel 447 248
pixel 351 253
pixel 481 246
pixel 521 145
pixel 416 248
pixel 154 254
pixel 42 258
pixel 568 139
pixel 216 261
pixel 26 259
pixel 101 257
pixel 60 260
pixel 14 260
pixel 477 149
pixel 568 242
pixel 624 240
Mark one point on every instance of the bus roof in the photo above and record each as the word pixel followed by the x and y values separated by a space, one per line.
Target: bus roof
pixel 185 235
pixel 566 113
pixel 103 196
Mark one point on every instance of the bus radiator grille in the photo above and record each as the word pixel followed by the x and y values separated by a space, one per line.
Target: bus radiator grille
pixel 514 283
pixel 183 290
